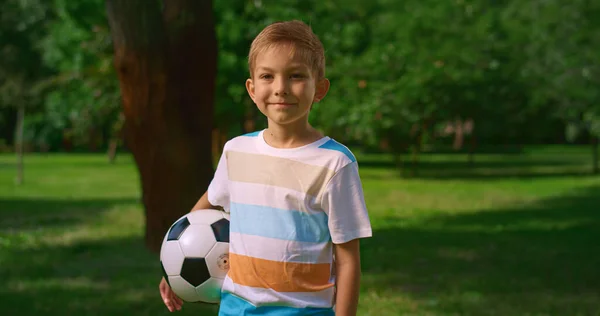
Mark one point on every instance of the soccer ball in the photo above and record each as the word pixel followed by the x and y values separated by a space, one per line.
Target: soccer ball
pixel 194 255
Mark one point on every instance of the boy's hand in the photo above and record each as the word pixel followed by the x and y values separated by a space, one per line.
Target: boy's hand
pixel 171 300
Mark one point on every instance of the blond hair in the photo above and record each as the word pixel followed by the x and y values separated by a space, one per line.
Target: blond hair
pixel 303 43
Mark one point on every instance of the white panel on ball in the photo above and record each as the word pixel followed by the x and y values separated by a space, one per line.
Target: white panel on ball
pixel 217 260
pixel 210 291
pixel 207 217
pixel 197 240
pixel 172 257
pixel 183 289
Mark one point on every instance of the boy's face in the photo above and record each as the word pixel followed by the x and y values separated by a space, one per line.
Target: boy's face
pixel 284 87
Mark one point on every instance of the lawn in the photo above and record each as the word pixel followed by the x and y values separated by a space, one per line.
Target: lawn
pixel 516 234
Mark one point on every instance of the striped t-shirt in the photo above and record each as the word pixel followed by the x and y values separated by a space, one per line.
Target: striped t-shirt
pixel 287 207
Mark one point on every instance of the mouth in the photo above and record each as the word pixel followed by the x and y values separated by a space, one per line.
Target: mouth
pixel 283 104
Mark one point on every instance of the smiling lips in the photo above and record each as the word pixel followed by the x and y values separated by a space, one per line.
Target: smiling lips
pixel 284 104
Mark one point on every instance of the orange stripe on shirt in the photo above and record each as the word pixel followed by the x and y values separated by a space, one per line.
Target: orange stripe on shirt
pixel 279 276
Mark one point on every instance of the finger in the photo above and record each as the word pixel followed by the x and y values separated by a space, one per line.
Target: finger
pixel 169 304
pixel 163 290
pixel 177 302
pixel 167 300
pixel 166 295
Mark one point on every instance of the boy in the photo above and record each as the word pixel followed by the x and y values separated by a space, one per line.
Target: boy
pixel 294 195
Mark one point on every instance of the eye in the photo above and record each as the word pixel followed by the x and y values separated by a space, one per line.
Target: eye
pixel 266 76
pixel 298 76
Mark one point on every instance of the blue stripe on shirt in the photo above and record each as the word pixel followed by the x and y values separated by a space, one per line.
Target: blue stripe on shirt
pixel 278 223
pixel 333 145
pixel 253 134
pixel 232 305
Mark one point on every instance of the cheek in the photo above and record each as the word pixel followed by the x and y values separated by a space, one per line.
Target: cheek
pixel 304 89
pixel 260 93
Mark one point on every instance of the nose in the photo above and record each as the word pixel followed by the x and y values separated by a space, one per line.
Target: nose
pixel 281 87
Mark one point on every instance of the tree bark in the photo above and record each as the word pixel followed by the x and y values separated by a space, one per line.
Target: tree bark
pixel 165 54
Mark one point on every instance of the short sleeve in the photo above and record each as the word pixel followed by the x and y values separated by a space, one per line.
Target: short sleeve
pixel 344 203
pixel 218 189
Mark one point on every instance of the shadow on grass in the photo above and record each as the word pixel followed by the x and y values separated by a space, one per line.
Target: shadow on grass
pixel 104 277
pixel 92 275
pixel 25 214
pixel 539 259
pixel 4 165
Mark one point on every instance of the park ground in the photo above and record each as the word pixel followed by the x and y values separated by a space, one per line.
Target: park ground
pixel 515 234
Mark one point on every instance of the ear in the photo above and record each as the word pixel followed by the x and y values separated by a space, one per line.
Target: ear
pixel 321 89
pixel 250 89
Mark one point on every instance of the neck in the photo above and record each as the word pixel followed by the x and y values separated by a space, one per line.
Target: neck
pixel 291 135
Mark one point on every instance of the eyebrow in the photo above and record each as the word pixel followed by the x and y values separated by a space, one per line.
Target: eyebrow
pixel 294 67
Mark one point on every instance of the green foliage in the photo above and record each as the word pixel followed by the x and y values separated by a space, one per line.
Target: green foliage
pixel 562 59
pixel 84 100
pixel 22 24
pixel 400 71
pixel 59 63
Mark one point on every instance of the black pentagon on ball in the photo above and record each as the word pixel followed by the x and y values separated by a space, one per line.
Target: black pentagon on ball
pixel 195 271
pixel 178 228
pixel 165 273
pixel 221 230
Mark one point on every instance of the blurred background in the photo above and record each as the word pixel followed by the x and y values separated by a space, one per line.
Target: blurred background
pixel 475 124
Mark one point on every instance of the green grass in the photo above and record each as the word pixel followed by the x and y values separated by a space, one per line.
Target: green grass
pixel 516 234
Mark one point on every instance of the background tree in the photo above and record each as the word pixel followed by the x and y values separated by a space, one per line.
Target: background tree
pixel 165 54
pixel 79 48
pixel 22 25
pixel 560 42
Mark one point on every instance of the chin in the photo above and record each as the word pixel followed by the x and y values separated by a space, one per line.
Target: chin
pixel 283 120
pixel 286 117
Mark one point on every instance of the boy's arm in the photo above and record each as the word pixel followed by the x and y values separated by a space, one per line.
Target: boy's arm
pixel 203 203
pixel 347 267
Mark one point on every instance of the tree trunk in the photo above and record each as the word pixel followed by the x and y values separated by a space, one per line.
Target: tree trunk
pixel 165 54
pixel 19 146
pixel 219 138
pixel 596 168
pixel 113 145
pixel 416 151
pixel 115 138
pixel 399 163
pixel 458 135
pixel 472 148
